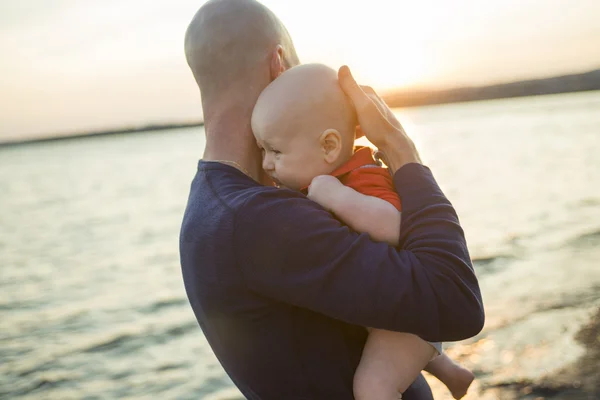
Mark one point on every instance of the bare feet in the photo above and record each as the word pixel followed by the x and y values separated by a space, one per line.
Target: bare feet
pixel 459 382
pixel 456 378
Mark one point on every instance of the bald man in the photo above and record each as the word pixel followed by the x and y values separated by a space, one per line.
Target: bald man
pixel 281 289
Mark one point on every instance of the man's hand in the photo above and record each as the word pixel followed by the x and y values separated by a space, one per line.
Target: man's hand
pixel 378 123
pixel 325 190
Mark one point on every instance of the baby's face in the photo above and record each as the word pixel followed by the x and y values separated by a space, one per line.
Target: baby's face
pixel 292 158
pixel 293 121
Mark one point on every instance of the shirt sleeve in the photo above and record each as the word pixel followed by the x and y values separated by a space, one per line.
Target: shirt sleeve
pixel 376 182
pixel 292 250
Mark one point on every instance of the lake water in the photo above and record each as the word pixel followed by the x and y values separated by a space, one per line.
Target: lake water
pixel 93 304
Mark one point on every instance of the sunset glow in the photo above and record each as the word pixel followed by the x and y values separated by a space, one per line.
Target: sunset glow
pixel 70 65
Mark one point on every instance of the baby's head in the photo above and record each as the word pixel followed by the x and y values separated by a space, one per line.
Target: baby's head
pixel 304 125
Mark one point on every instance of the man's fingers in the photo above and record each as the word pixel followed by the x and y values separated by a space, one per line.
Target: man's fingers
pixel 350 87
pixel 383 107
pixel 363 104
pixel 374 116
pixel 368 90
pixel 371 94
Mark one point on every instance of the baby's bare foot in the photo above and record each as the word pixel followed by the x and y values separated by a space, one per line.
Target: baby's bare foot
pixel 459 382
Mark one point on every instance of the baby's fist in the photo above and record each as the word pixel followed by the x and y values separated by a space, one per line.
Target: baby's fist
pixel 323 189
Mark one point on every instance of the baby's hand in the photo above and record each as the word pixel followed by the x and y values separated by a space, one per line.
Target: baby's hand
pixel 325 190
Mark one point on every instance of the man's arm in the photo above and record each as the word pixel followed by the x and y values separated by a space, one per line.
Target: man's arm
pixel 291 249
pixel 363 213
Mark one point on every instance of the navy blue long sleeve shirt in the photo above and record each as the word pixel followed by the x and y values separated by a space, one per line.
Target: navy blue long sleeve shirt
pixel 282 290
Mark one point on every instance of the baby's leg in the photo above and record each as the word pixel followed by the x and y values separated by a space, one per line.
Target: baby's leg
pixel 456 378
pixel 390 362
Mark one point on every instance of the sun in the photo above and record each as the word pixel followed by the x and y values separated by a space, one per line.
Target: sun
pixel 386 46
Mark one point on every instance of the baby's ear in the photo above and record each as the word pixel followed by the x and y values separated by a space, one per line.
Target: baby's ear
pixel 331 144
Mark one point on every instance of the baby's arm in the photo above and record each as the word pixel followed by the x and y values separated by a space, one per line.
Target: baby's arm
pixel 372 215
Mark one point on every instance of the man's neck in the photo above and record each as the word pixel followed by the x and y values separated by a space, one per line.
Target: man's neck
pixel 229 138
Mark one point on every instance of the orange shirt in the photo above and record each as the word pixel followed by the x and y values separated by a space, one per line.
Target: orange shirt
pixel 363 174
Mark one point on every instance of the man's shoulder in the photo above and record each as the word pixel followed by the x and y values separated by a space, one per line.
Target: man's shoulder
pixel 217 194
pixel 224 204
pixel 272 203
pixel 217 186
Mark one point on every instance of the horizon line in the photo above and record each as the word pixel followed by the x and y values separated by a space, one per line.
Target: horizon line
pixel 387 95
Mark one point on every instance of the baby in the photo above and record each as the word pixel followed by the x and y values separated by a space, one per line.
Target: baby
pixel 306 127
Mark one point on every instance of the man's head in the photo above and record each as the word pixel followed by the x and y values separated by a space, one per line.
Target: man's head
pixel 304 124
pixel 235 48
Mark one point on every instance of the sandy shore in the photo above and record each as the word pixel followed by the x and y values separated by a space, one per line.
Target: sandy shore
pixel 578 380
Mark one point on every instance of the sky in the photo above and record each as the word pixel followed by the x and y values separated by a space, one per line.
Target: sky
pixel 79 65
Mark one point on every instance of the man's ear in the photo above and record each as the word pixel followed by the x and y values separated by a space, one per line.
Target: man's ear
pixel 277 64
pixel 331 144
